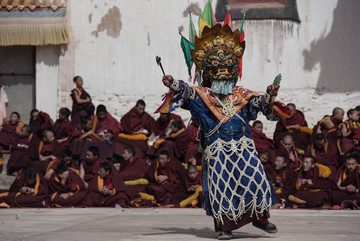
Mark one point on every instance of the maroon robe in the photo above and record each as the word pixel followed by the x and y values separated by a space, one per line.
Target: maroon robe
pixel 114 182
pixel 45 149
pixel 193 147
pixel 162 126
pixel 176 144
pixel 327 156
pixel 165 193
pixel 91 170
pixel 108 125
pixel 190 183
pixel 17 199
pixel 22 152
pixel 74 184
pixel 63 129
pixel 262 143
pixel 301 139
pixel 347 143
pixel 299 156
pixel 332 134
pixel 74 167
pixel 132 122
pixel 8 133
pixel 337 195
pixel 135 169
pixel 42 122
pixel 77 108
pixel 315 195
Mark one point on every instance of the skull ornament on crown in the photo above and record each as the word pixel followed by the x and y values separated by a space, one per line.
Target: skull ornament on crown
pixel 217 53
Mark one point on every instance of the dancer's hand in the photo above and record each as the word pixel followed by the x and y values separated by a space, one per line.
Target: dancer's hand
pixel 167 80
pixel 273 89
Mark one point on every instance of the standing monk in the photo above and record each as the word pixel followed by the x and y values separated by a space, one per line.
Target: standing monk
pixel 223 111
pixel 82 105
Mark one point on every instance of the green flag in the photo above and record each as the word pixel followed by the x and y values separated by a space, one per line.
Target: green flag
pixel 208 15
pixel 186 46
pixel 192 31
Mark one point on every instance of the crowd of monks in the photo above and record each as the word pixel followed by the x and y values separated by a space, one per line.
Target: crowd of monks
pixel 87 158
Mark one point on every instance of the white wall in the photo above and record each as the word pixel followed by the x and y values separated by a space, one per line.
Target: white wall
pixel 114 44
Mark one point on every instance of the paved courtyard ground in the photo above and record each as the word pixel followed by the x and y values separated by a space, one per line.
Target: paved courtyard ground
pixel 70 224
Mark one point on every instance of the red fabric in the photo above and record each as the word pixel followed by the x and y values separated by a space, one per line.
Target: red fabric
pixel 132 122
pixel 193 147
pixel 301 139
pixel 326 156
pixel 338 196
pixel 162 126
pixel 8 133
pixel 26 200
pixel 108 125
pixel 62 129
pixel 76 108
pixel 91 170
pixel 97 199
pixel 136 169
pixel 190 183
pixel 283 151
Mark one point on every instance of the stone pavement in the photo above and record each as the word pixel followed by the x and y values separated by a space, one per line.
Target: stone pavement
pixel 70 224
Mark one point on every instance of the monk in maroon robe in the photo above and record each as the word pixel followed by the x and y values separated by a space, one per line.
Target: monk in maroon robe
pixel 310 189
pixel 262 143
pixel 107 189
pixel 104 125
pixel 296 126
pixel 329 126
pixel 64 158
pixel 23 150
pixel 268 166
pixel 63 128
pixel 350 130
pixel 167 177
pixel 29 189
pixel 347 183
pixel 137 127
pixel 82 140
pixel 193 155
pixel 193 185
pixel 90 166
pixel 325 152
pixel 67 188
pixel 293 154
pixel 281 178
pixel 131 169
pixel 175 142
pixel 9 130
pixel 163 123
pixel 82 105
pixel 40 121
pixel 49 150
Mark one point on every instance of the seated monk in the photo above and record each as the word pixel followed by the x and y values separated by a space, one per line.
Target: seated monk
pixel 265 158
pixel 133 169
pixel 104 125
pixel 175 142
pixel 194 188
pixel 82 105
pixel 293 154
pixel 329 126
pixel 29 189
pixel 90 166
pixel 346 184
pixel 137 127
pixel 67 188
pixel 40 121
pixel 262 143
pixel 282 178
pixel 64 158
pixel 49 150
pixel 325 152
pixel 86 137
pixel 63 128
pixel 23 150
pixel 350 132
pixel 310 189
pixel 166 178
pixel 296 126
pixel 106 189
pixel 163 123
pixel 193 156
pixel 9 130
